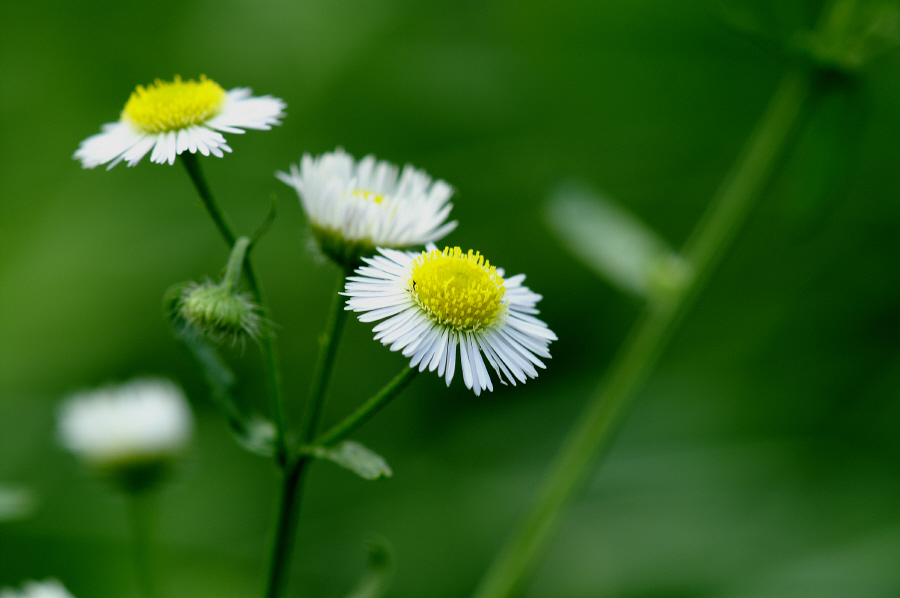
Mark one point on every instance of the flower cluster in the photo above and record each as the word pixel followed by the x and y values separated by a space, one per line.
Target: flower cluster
pixel 437 307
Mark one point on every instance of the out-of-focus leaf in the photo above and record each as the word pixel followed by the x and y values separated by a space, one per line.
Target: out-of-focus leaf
pixel 355 457
pixel 252 431
pixel 614 242
pixel 15 502
pixel 379 568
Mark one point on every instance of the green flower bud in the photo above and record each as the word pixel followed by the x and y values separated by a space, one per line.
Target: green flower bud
pixel 220 313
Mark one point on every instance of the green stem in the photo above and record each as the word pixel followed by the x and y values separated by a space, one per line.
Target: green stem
pixel 235 263
pixel 192 164
pixel 288 511
pixel 367 410
pixel 268 347
pixel 292 484
pixel 328 343
pixel 593 433
pixel 141 507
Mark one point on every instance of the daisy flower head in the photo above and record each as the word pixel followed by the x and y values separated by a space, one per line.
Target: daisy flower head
pixel 129 432
pixel 354 207
pixel 171 117
pixel 433 302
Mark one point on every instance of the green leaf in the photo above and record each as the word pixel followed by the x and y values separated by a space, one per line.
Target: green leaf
pixel 355 457
pixel 615 243
pixel 15 502
pixel 379 568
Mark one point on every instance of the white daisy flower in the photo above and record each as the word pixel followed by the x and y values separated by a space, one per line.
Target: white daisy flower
pixel 355 207
pixel 37 589
pixel 435 301
pixel 172 117
pixel 141 421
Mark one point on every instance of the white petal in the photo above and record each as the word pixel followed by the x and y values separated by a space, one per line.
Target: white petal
pixel 478 364
pixel 244 112
pixel 114 140
pixel 465 363
pixel 451 358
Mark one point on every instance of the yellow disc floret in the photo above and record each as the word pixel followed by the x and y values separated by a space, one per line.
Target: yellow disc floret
pixel 164 106
pixel 459 290
pixel 365 194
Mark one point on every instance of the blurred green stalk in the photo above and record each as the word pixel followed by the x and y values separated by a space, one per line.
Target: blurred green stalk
pixel 367 410
pixel 142 513
pixel 593 433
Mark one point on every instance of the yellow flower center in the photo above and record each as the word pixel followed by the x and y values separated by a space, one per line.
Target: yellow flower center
pixel 459 290
pixel 365 194
pixel 164 106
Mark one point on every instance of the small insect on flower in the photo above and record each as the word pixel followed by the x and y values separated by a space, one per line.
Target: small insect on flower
pixel 354 207
pixel 131 432
pixel 173 117
pixel 435 301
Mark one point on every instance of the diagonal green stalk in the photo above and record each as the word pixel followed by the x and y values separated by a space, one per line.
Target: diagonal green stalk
pixel 593 433
pixel 267 345
pixel 295 470
pixel 328 343
pixel 367 410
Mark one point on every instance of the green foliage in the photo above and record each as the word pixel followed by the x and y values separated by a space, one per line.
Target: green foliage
pixel 355 457
pixel 762 459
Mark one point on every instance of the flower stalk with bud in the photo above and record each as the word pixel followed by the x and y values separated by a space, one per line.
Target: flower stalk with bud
pixel 219 311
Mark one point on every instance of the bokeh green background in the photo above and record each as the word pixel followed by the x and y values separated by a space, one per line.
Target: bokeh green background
pixel 761 460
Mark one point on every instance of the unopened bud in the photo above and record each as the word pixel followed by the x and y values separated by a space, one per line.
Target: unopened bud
pixel 220 313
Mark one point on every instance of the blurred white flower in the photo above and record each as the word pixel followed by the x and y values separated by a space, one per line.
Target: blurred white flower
pixel 354 207
pixel 141 421
pixel 433 301
pixel 49 588
pixel 172 117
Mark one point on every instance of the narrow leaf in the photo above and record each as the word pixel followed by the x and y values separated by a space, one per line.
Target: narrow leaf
pixel 613 242
pixel 355 457
pixel 15 502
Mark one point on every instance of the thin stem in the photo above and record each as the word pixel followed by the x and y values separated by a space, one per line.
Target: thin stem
pixel 328 343
pixel 142 511
pixel 192 164
pixel 235 263
pixel 367 410
pixel 267 346
pixel 292 484
pixel 593 433
pixel 288 511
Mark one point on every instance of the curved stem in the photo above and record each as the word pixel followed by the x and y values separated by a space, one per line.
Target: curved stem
pixel 593 433
pixel 192 164
pixel 268 347
pixel 367 410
